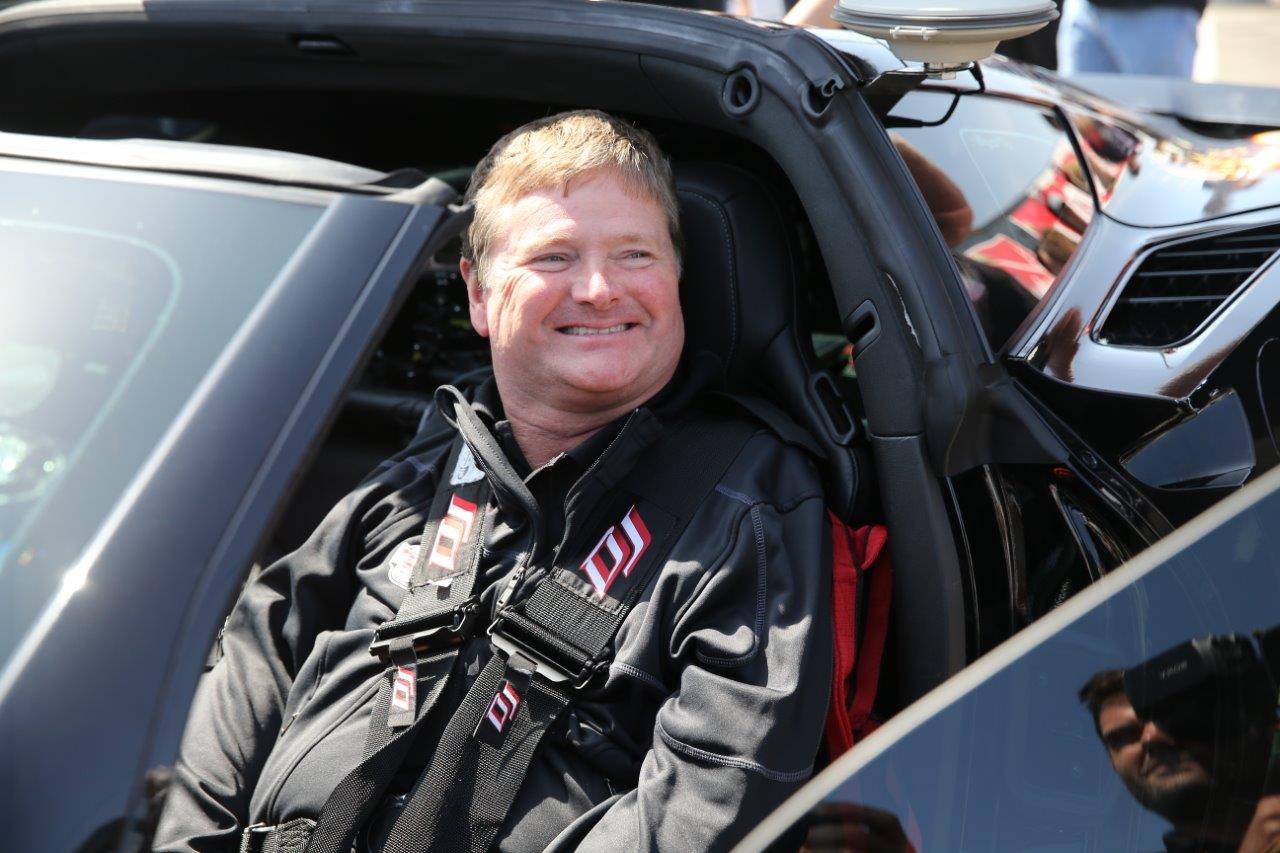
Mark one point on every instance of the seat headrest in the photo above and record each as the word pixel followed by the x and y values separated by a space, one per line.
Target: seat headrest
pixel 738 285
pixel 742 301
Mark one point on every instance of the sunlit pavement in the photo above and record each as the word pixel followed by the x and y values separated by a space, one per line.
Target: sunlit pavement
pixel 1240 42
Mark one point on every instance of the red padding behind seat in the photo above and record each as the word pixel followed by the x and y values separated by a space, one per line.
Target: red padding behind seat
pixel 861 566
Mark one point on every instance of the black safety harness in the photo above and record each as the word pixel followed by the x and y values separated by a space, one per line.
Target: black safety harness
pixel 548 645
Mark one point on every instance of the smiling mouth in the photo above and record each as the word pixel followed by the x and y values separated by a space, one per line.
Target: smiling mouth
pixel 589 330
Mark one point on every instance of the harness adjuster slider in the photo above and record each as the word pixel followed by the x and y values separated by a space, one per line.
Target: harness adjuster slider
pixel 444 629
pixel 578 676
pixel 253 837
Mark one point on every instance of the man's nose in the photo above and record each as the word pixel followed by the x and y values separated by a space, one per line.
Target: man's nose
pixel 1153 734
pixel 595 287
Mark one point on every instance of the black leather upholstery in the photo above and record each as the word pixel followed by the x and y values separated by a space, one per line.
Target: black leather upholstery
pixel 742 301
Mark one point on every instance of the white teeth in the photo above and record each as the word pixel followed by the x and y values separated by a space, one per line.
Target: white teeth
pixel 587 330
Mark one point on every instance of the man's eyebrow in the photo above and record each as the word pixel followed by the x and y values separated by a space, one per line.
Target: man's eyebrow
pixel 547 239
pixel 634 237
pixel 1124 731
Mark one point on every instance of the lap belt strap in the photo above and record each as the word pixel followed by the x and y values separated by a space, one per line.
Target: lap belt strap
pixel 549 645
pixel 420 646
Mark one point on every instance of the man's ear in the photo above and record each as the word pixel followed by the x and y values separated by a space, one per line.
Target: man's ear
pixel 477 297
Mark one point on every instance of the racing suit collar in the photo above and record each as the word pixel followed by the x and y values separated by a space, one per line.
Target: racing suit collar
pixel 694 375
pixel 606 458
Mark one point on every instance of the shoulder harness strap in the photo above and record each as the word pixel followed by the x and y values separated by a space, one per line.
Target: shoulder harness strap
pixel 552 643
pixel 418 646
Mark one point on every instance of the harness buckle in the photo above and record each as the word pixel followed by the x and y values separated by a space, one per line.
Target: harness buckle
pixel 556 672
pixel 441 630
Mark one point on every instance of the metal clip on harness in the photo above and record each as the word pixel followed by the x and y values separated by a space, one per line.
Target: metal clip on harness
pixel 555 660
pixel 437 630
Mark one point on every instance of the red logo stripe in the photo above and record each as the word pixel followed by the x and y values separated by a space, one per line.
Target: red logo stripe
pixel 617 552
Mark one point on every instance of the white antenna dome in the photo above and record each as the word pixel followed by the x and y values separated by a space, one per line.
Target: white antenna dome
pixel 948 34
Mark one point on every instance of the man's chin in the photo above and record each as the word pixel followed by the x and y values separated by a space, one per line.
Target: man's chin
pixel 607 390
pixel 1174 791
pixel 600 390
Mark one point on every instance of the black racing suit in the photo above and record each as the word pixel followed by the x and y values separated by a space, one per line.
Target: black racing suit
pixel 711 713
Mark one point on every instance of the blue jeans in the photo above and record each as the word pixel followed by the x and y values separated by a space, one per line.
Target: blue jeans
pixel 1150 40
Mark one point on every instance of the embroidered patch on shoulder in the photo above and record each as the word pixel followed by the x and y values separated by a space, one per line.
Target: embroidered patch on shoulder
pixel 617 552
pixel 401 562
pixel 466 471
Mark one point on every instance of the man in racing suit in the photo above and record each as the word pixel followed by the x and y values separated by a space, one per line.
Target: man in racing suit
pixel 708 711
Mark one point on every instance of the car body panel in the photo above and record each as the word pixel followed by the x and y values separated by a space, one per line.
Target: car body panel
pixel 1160 171
pixel 105 677
pixel 162 155
pixel 939 400
pixel 1180 152
pixel 1060 352
pixel 1209 103
pixel 1064 343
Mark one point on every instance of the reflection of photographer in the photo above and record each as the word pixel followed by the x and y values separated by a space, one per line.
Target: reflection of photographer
pixel 1190 733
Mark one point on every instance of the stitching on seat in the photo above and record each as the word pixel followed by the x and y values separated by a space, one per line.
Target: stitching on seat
pixel 733 267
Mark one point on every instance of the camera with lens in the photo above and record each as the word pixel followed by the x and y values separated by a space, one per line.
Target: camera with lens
pixel 1210 689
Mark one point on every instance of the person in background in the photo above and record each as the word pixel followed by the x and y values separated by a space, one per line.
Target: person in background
pixel 1129 36
pixel 1211 784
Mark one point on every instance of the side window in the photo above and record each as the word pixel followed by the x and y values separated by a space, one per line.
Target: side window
pixel 1007 189
pixel 1143 721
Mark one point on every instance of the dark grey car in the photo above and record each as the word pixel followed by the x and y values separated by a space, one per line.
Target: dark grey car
pixel 214 325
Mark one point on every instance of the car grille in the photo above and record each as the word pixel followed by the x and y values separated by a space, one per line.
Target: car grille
pixel 1179 286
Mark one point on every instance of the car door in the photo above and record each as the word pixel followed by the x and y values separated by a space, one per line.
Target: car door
pixel 1140 715
pixel 171 350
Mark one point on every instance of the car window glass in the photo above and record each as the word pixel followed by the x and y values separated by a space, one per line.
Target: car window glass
pixel 1005 185
pixel 1148 723
pixel 118 297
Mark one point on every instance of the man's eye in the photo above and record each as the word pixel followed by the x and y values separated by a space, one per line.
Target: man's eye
pixel 552 259
pixel 1118 738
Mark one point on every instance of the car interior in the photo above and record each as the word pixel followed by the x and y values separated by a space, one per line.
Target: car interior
pixel 758 285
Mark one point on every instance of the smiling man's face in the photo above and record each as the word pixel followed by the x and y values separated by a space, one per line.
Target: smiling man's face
pixel 580 297
pixel 1168 776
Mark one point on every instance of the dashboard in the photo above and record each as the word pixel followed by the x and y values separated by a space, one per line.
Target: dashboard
pixel 431 340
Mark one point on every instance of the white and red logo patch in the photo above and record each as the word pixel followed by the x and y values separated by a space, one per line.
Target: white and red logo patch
pixel 617 552
pixel 401 562
pixel 454 531
pixel 503 707
pixel 404 691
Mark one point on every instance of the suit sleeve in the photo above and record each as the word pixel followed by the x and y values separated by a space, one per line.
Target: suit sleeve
pixel 238 710
pixel 740 734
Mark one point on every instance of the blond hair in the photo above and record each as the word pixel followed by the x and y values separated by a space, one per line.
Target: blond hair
pixel 551 152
